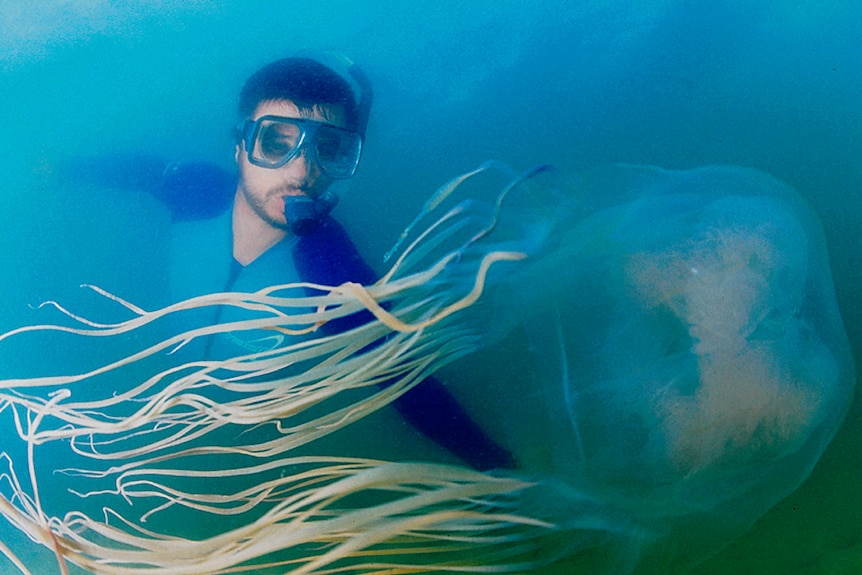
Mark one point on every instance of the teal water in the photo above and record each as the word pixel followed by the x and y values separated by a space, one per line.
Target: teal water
pixel 774 86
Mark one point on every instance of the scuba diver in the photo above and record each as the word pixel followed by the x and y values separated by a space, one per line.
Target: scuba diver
pixel 302 123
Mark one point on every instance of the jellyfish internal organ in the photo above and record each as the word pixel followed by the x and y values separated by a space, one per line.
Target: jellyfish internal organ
pixel 737 289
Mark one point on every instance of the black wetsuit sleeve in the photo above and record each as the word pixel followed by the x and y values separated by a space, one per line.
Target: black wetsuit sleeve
pixel 433 410
pixel 190 191
pixel 329 257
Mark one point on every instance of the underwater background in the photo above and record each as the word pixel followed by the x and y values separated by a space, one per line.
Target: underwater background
pixel 771 85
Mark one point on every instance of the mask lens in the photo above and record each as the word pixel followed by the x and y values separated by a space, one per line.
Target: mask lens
pixel 337 151
pixel 276 142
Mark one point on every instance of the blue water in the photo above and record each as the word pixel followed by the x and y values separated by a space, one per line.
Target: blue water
pixel 774 86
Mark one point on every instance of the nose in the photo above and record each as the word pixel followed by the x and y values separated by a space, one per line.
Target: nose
pixel 300 169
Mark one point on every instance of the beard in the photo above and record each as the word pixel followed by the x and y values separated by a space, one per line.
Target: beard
pixel 262 204
pixel 258 204
pixel 262 200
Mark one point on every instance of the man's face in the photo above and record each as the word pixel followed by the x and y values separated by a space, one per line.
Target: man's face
pixel 264 189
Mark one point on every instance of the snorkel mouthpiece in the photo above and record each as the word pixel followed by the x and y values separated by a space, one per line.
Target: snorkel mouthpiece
pixel 304 214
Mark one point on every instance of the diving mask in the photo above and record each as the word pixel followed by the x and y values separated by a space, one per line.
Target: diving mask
pixel 272 141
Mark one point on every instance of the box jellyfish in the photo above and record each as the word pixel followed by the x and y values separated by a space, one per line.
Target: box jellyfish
pixel 660 351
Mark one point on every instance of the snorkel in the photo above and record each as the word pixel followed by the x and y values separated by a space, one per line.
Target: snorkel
pixel 304 213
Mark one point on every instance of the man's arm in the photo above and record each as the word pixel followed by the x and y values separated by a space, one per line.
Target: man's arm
pixel 328 257
pixel 190 191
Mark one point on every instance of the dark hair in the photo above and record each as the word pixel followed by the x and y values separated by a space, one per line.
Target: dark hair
pixel 305 82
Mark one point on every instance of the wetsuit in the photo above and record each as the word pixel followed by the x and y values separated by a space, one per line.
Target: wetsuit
pixel 199 195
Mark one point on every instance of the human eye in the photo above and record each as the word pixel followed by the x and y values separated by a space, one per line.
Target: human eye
pixel 328 144
pixel 278 140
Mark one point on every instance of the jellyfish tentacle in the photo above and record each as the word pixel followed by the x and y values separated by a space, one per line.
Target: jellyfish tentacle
pixel 243 443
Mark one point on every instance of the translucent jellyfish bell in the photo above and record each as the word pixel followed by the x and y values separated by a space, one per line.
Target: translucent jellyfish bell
pixel 681 363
